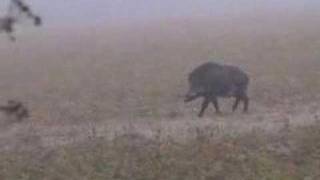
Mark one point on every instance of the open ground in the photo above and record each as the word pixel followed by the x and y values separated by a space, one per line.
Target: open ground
pixel 102 83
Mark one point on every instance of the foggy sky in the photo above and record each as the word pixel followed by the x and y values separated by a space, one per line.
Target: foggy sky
pixel 101 11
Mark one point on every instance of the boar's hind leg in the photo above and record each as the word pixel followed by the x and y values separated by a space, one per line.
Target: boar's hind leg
pixel 241 95
pixel 245 100
pixel 204 106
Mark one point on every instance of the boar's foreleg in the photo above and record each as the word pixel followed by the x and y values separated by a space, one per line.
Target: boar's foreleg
pixel 204 106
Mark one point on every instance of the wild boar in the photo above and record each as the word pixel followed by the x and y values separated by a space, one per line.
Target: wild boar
pixel 212 80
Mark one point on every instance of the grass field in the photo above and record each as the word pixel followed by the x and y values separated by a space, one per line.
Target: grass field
pixel 107 102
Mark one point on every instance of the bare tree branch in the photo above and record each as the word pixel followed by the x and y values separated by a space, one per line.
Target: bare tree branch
pixel 16 10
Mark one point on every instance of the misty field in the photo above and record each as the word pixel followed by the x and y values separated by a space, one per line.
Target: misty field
pixel 107 103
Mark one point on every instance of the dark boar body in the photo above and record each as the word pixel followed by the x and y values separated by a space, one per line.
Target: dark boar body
pixel 212 80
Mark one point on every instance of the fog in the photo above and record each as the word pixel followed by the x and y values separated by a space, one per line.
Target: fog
pixel 84 12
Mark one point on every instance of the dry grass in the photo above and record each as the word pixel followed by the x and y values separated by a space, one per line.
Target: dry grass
pixel 88 90
pixel 256 155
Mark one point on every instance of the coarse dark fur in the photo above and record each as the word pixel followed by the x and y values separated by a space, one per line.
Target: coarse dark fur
pixel 212 80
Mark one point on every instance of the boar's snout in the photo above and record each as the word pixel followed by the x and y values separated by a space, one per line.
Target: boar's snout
pixel 190 96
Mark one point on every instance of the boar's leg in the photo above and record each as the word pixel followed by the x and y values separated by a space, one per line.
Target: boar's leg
pixel 236 103
pixel 204 106
pixel 241 95
pixel 245 100
pixel 215 103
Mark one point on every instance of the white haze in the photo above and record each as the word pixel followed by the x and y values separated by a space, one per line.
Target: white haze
pixel 85 12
